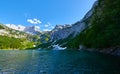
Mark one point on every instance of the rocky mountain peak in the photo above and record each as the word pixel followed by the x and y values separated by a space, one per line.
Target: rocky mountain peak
pixel 64 31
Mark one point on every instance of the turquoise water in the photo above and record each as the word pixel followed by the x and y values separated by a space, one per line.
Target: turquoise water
pixel 57 62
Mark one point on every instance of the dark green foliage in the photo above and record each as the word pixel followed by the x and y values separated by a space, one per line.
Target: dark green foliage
pixel 75 42
pixel 14 43
pixel 23 40
pixel 43 45
pixel 105 28
pixel 1 26
pixel 45 37
pixel 104 31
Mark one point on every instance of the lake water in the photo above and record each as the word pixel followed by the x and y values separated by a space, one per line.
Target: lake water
pixel 57 62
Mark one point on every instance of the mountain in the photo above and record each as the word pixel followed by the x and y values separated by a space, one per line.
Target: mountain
pixel 14 39
pixel 16 27
pixel 6 31
pixel 57 32
pixel 99 30
pixel 104 33
pixel 34 30
pixel 63 34
pixel 20 37
pixel 64 31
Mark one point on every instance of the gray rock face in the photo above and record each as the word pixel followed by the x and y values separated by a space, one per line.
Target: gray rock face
pixel 63 31
pixel 34 30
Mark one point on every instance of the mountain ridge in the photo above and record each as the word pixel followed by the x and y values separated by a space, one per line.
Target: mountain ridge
pixel 75 28
pixel 33 30
pixel 98 31
pixel 14 39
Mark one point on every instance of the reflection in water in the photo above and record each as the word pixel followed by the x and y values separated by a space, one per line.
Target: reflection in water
pixel 57 62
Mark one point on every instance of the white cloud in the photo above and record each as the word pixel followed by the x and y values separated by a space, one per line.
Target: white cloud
pixel 16 27
pixel 49 23
pixel 37 27
pixel 46 30
pixel 52 27
pixel 34 21
pixel 48 27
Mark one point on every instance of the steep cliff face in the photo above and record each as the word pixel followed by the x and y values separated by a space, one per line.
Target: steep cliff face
pixel 64 31
pixel 99 30
pixel 34 30
pixel 105 26
pixel 103 33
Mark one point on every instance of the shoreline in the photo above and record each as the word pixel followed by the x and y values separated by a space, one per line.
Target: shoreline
pixel 109 51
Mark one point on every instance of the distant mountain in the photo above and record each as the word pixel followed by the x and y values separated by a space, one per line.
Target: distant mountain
pixel 21 37
pixel 15 39
pixel 34 30
pixel 16 27
pixel 6 31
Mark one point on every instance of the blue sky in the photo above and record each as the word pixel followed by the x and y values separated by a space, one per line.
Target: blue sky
pixel 43 13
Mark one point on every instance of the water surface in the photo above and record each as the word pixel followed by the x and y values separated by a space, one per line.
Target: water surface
pixel 57 62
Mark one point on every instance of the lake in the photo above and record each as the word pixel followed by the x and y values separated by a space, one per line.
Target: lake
pixel 57 62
